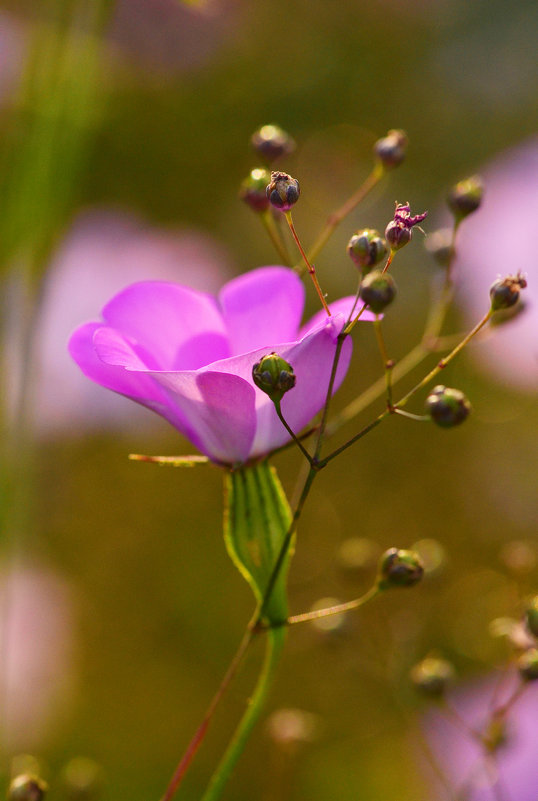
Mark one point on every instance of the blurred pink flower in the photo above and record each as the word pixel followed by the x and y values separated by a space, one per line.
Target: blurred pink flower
pixel 36 655
pixel 499 239
pixel 104 252
pixel 512 774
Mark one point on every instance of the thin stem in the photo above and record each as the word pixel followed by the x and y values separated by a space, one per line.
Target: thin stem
pixel 447 359
pixel 201 731
pixel 388 364
pixel 332 379
pixel 389 261
pixel 270 226
pixel 291 433
pixel 337 609
pixel 421 418
pixel 340 214
pixel 310 267
pixel 274 643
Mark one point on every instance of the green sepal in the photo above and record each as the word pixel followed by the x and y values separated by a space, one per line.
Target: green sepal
pixel 257 517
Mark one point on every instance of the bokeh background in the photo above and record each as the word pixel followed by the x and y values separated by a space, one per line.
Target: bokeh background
pixel 125 130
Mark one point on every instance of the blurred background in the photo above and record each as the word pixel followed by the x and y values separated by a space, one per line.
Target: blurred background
pixel 125 135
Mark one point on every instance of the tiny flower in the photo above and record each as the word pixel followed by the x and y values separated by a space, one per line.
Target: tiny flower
pixel 447 407
pixel 400 230
pixel 391 149
pixel 465 197
pixel 366 249
pixel 271 142
pixel 274 376
pixel 432 675
pixel 377 290
pixel 283 191
pixel 27 787
pixel 399 568
pixel 527 664
pixel 188 356
pixel 252 190
pixel 504 292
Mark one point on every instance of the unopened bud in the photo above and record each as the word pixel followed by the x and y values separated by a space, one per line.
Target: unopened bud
pixel 271 142
pixel 447 407
pixel 283 191
pixel 527 664
pixel 366 249
pixel 274 376
pixel 504 292
pixel 399 568
pixel 531 616
pixel 252 190
pixel 432 675
pixel 27 787
pixel 439 245
pixel 465 197
pixel 391 149
pixel 377 290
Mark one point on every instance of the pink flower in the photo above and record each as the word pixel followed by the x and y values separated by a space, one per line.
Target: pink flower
pixel 189 357
pixel 500 239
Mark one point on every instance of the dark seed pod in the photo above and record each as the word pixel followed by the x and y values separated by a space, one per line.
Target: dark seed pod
pixel 447 407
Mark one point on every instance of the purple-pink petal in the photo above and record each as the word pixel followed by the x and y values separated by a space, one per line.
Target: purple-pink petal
pixel 219 410
pixel 262 306
pixel 165 317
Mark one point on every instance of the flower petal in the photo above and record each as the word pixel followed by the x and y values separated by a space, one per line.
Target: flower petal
pixel 341 306
pixel 262 306
pixel 136 385
pixel 172 321
pixel 219 408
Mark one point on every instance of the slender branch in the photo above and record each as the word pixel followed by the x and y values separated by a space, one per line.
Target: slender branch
pixel 273 231
pixel 291 433
pixel 201 731
pixel 328 611
pixel 388 364
pixel 310 267
pixel 340 214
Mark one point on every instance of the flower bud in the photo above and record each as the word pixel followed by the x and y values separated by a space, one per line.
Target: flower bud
pixel 252 190
pixel 447 407
pixel 366 249
pixel 399 569
pixel 465 197
pixel 439 245
pixel 377 290
pixel 527 664
pixel 274 376
pixel 391 149
pixel 432 675
pixel 400 230
pixel 27 787
pixel 504 292
pixel 283 191
pixel 531 616
pixel 271 142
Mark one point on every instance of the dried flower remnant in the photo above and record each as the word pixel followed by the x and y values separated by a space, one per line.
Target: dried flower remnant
pixel 400 230
pixel 189 356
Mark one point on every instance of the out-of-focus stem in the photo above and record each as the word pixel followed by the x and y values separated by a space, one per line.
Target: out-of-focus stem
pixel 340 214
pixel 270 226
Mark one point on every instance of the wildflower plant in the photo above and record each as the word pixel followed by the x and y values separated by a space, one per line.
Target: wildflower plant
pixel 242 379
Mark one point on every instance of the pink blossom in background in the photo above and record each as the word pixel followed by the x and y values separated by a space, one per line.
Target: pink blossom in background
pixel 103 252
pixel 36 655
pixel 189 356
pixel 12 49
pixel 500 238
pixel 461 759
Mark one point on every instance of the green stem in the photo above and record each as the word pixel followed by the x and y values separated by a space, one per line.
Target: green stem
pixel 291 433
pixel 273 647
pixel 340 214
pixel 268 223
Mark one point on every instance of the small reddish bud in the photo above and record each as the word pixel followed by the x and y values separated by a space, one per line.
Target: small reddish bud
pixel 391 149
pixel 271 142
pixel 504 292
pixel 283 191
pixel 252 190
pixel 400 230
